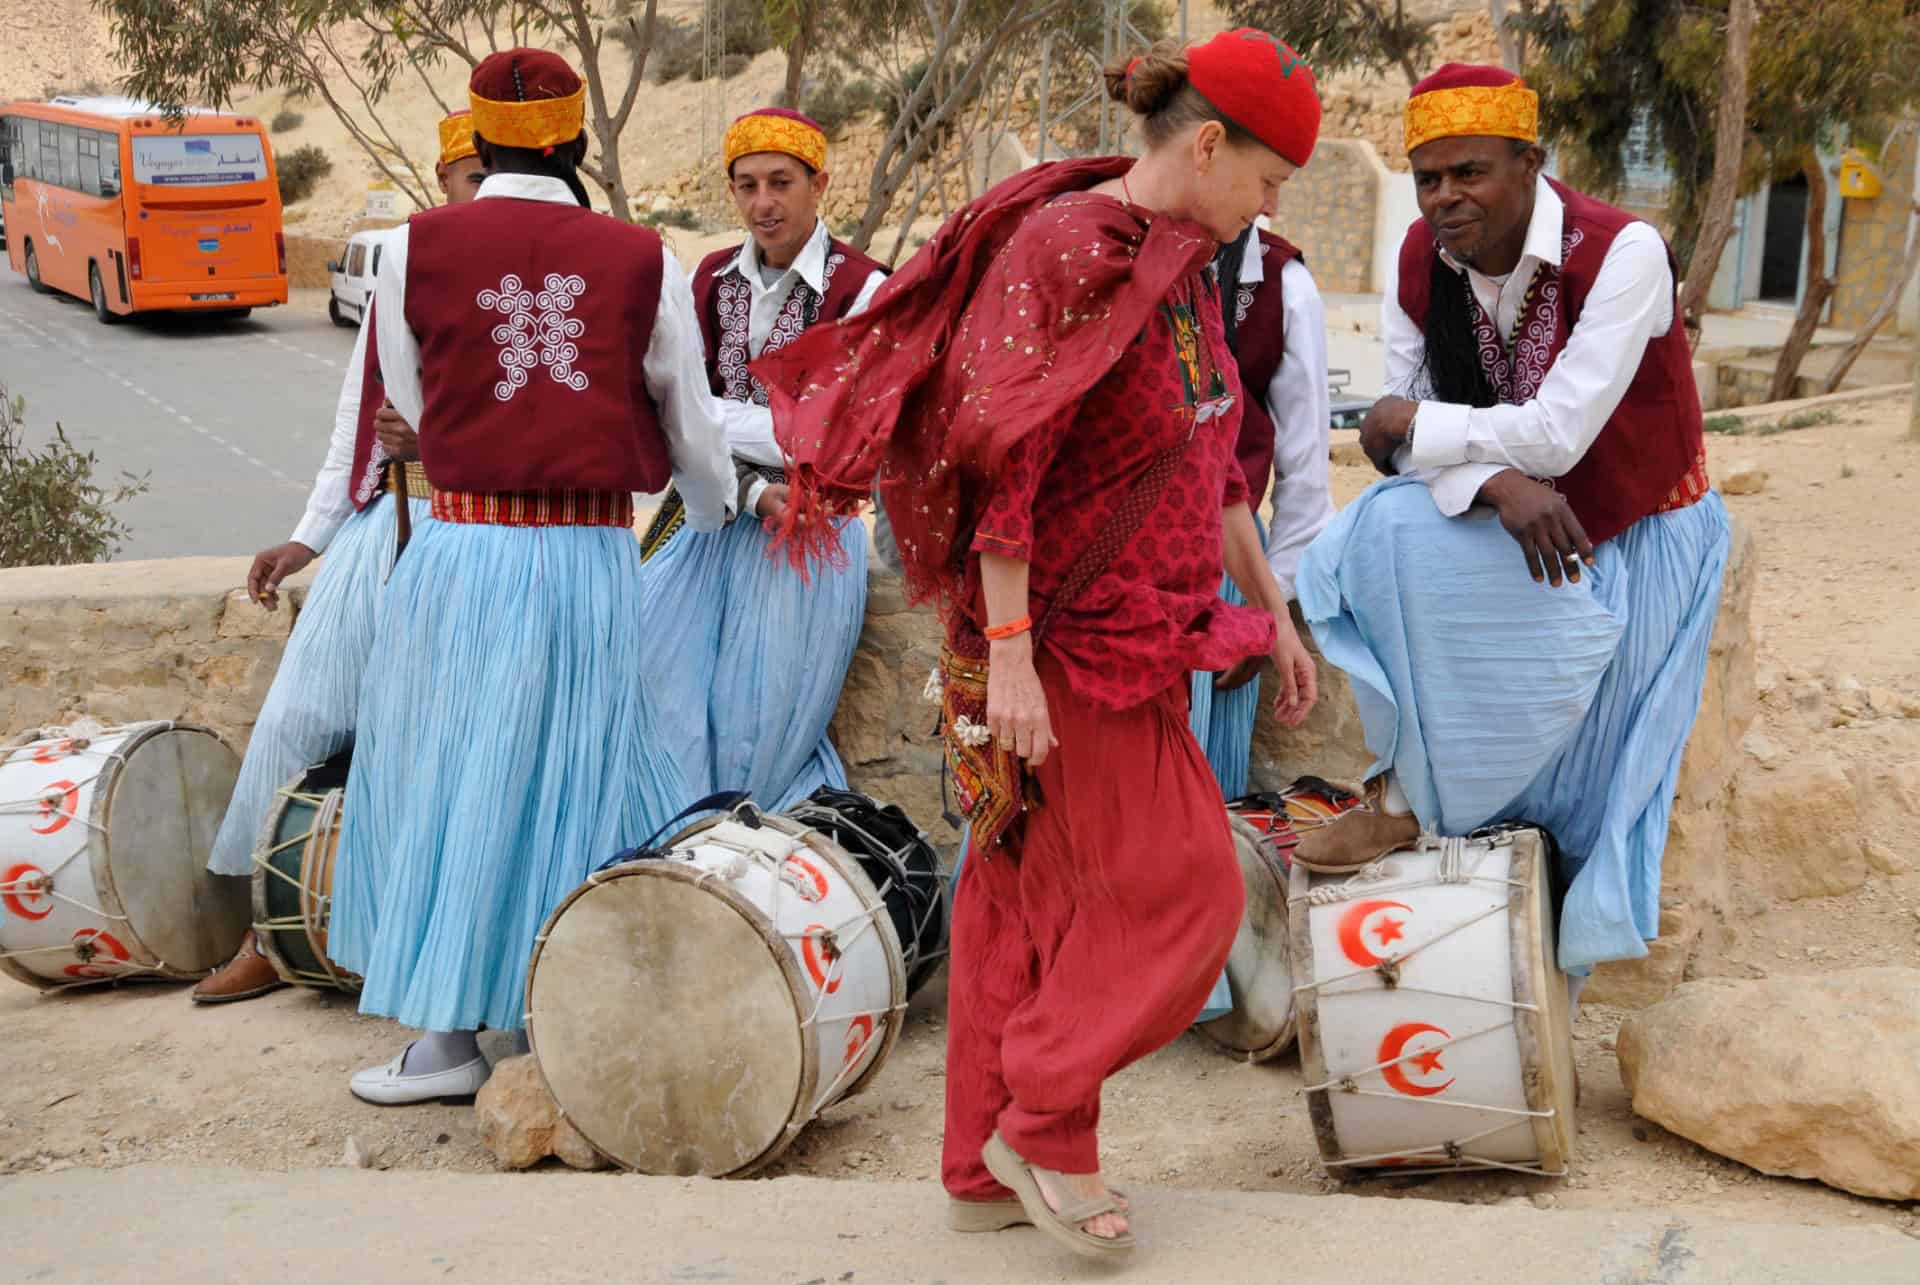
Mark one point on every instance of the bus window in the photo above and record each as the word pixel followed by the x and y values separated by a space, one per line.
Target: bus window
pixel 69 157
pixel 89 162
pixel 9 131
pixel 199 160
pixel 109 164
pixel 48 169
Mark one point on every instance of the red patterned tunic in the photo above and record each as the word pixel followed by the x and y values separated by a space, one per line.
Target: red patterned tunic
pixel 1154 613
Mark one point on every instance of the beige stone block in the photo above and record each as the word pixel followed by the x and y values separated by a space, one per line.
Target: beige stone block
pixel 1796 831
pixel 240 617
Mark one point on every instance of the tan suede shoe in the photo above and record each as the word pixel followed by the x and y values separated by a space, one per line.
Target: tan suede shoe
pixel 247 975
pixel 1354 838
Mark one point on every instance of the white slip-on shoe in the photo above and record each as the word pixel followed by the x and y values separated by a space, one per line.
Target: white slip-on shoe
pixel 385 1085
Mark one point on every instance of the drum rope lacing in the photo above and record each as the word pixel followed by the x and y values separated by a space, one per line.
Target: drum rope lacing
pixel 925 910
pixel 43 886
pixel 1453 870
pixel 315 907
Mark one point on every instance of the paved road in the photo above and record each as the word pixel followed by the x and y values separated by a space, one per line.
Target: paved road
pixel 160 1225
pixel 230 419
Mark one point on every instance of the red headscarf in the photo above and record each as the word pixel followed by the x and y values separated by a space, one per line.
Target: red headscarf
pixel 884 393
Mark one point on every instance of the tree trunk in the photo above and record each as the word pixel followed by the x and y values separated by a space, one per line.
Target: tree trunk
pixel 797 49
pixel 1729 150
pixel 600 117
pixel 1882 311
pixel 1819 284
pixel 1509 46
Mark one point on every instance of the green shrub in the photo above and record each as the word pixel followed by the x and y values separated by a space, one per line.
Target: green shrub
pixel 673 217
pixel 1731 424
pixel 301 171
pixel 680 47
pixel 283 120
pixel 837 101
pixel 52 512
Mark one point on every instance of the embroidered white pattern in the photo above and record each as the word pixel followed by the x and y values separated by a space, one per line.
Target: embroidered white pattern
pixel 735 306
pixel 537 331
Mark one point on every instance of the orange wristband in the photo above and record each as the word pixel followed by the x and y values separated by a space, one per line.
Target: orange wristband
pixel 1012 629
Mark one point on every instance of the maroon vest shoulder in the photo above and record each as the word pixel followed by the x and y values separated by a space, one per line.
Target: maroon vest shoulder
pixel 850 277
pixel 1260 341
pixel 534 320
pixel 1653 440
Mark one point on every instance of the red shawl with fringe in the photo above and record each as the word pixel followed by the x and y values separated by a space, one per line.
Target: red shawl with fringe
pixel 888 394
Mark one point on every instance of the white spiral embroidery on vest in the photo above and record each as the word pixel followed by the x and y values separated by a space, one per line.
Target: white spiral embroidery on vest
pixel 537 331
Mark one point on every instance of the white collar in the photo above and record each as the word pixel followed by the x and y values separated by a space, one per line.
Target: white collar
pixel 1543 230
pixel 1253 259
pixel 526 187
pixel 810 263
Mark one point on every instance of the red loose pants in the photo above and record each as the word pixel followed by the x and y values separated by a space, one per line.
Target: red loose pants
pixel 1089 939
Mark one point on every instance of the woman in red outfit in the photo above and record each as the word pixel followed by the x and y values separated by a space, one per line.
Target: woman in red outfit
pixel 1047 397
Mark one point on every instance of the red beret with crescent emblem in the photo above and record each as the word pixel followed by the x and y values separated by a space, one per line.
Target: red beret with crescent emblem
pixel 1263 86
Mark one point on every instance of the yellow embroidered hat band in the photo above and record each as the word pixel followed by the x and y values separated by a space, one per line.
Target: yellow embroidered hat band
pixel 775 129
pixel 527 98
pixel 456 137
pixel 1465 101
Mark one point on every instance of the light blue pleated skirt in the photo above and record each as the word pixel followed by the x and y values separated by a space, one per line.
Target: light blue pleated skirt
pixel 753 659
pixel 1223 721
pixel 504 751
pixel 309 711
pixel 1493 698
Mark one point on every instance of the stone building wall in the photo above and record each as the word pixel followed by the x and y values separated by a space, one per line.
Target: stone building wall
pixel 1327 209
pixel 176 639
pixel 1873 240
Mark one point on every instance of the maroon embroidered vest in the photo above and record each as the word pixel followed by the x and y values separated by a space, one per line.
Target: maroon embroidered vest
pixel 723 300
pixel 1650 456
pixel 534 319
pixel 368 455
pixel 1260 340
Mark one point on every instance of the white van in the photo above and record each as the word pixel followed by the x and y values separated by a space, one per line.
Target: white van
pixel 350 278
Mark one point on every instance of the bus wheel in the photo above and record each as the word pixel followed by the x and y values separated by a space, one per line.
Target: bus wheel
pixel 107 316
pixel 33 270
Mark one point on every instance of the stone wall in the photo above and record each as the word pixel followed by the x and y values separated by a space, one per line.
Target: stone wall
pixel 1873 240
pixel 177 639
pixel 1327 209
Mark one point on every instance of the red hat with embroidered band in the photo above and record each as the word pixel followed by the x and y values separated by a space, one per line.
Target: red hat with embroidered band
pixel 1263 86
pixel 526 98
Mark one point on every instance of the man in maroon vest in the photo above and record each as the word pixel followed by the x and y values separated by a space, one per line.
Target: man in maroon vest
pixel 311 709
pixel 550 358
pixel 1539 377
pixel 1277 327
pixel 760 652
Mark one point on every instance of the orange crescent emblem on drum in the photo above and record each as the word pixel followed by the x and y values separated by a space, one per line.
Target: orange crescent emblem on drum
pixel 806 869
pixel 91 942
pixel 58 804
pixel 812 954
pixel 1353 942
pixel 1393 1052
pixel 54 751
pixel 23 884
pixel 859 1031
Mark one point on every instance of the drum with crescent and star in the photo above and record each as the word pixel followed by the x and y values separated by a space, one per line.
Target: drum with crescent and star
pixel 104 836
pixel 693 1009
pixel 1435 1030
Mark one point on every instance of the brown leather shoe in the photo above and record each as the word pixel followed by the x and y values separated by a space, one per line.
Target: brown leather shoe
pixel 247 975
pixel 1354 838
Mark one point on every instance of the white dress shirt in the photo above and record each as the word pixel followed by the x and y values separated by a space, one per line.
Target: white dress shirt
pixel 749 424
pixel 673 369
pixel 330 503
pixel 1300 404
pixel 1457 448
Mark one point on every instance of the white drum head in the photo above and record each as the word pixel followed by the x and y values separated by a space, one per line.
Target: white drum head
pixel 159 818
pixel 664 1013
pixel 1260 967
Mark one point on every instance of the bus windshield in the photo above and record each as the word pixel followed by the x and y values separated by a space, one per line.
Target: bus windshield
pixel 199 160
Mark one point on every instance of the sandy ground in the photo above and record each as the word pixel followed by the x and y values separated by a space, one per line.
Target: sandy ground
pixel 118 1076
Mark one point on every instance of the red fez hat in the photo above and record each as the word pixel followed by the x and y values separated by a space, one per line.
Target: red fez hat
pixel 1460 100
pixel 526 98
pixel 1263 86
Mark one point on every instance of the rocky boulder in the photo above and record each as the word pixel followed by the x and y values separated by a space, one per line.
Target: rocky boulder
pixel 1806 1077
pixel 521 1124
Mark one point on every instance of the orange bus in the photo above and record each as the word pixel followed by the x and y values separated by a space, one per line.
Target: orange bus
pixel 108 200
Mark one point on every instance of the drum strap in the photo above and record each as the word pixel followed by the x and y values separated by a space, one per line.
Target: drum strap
pixel 719 801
